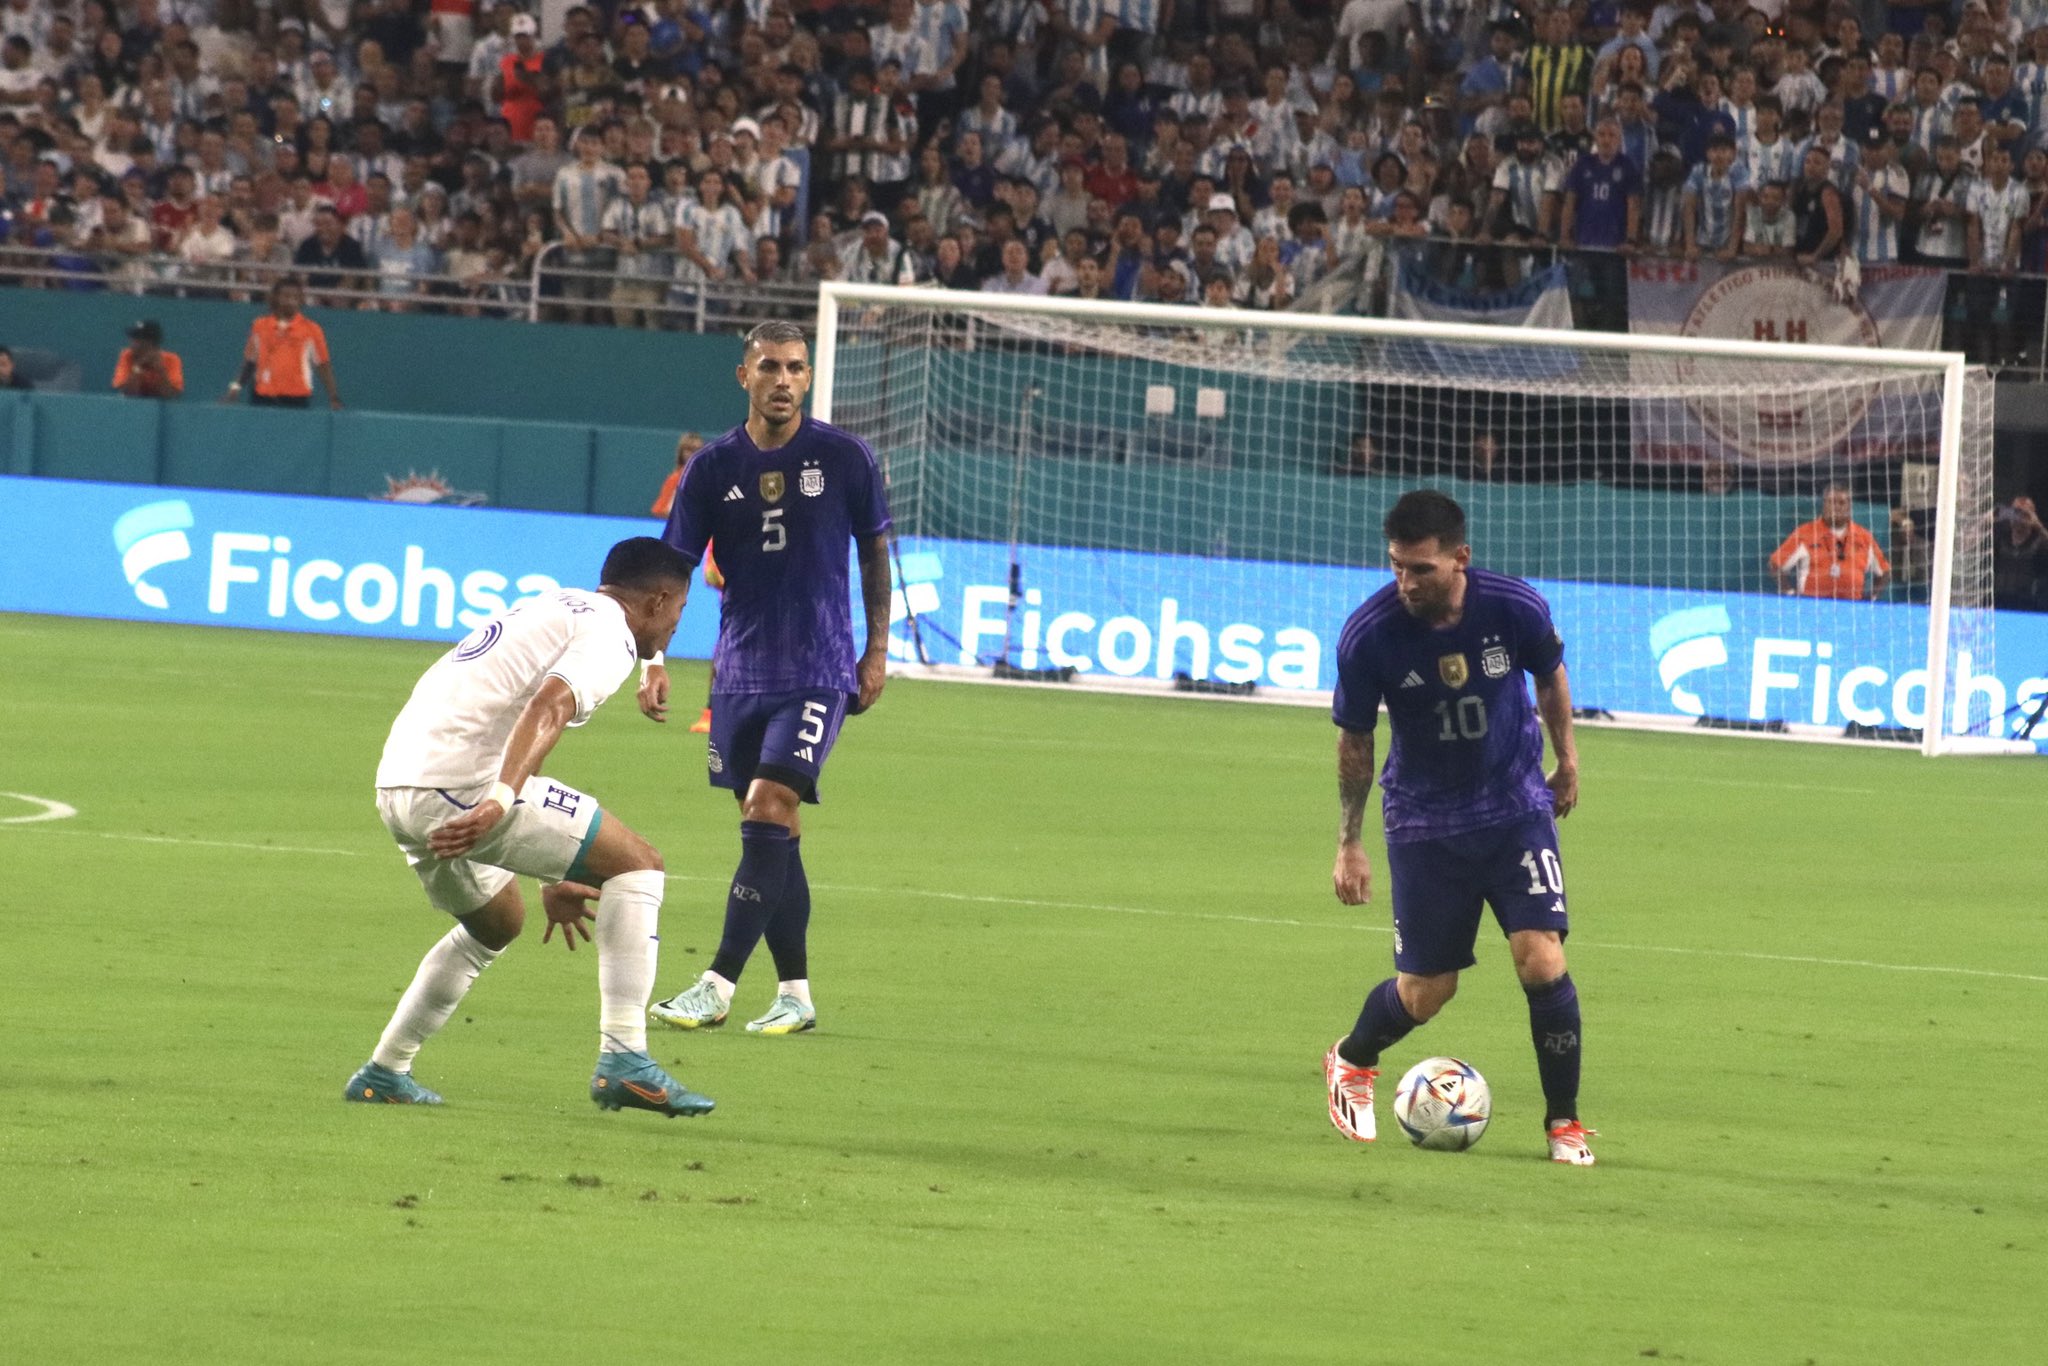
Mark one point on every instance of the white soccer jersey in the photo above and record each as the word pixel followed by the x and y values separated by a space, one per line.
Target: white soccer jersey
pixel 453 730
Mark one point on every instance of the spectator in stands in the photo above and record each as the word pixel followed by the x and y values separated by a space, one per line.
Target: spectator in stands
pixel 331 258
pixel 10 377
pixel 284 351
pixel 639 227
pixel 2019 558
pixel 144 369
pixel 1768 230
pixel 1016 276
pixel 875 257
pixel 1831 556
pixel 522 84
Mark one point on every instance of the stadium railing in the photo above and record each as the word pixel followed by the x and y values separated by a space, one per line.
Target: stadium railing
pixel 547 289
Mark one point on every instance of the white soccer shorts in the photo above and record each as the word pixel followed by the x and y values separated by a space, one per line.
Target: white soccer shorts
pixel 544 834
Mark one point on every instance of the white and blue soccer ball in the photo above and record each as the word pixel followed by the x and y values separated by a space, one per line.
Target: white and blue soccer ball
pixel 1443 1103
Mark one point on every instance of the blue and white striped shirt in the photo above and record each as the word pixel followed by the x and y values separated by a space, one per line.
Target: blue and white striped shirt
pixel 1767 162
pixel 943 26
pixel 580 196
pixel 1877 236
pixel 719 233
pixel 1714 210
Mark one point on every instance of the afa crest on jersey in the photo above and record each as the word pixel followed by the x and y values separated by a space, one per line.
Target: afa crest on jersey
pixel 1494 662
pixel 771 486
pixel 1453 670
pixel 810 481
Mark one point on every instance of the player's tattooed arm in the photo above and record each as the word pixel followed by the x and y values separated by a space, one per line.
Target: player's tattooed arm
pixel 874 597
pixel 1352 877
pixel 1554 705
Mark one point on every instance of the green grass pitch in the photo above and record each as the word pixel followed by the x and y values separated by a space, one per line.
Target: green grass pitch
pixel 1077 962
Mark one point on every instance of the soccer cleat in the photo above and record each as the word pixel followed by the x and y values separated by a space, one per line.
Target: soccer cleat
pixel 702 725
pixel 1350 1088
pixel 787 1016
pixel 1568 1143
pixel 634 1081
pixel 698 1008
pixel 373 1084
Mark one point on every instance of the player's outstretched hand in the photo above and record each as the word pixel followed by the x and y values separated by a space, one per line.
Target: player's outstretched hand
pixel 653 695
pixel 874 675
pixel 568 906
pixel 1564 789
pixel 1352 875
pixel 460 835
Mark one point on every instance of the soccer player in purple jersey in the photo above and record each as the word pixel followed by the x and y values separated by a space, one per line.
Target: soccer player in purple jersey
pixel 783 496
pixel 1470 817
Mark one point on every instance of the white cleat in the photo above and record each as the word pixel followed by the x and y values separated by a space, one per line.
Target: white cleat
pixel 788 1015
pixel 1350 1089
pixel 1568 1143
pixel 700 1007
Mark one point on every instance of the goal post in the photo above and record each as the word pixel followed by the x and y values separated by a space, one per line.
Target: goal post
pixel 1161 497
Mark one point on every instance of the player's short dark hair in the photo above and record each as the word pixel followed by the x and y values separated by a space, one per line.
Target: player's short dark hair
pixel 643 562
pixel 772 334
pixel 1426 514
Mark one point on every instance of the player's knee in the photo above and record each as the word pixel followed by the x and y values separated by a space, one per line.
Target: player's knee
pixel 1423 997
pixel 1539 958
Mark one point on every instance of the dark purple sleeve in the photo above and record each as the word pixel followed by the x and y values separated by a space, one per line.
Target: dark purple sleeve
pixel 1355 704
pixel 870 512
pixel 689 517
pixel 1542 648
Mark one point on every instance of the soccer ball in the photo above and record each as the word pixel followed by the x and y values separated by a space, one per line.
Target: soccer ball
pixel 1443 1103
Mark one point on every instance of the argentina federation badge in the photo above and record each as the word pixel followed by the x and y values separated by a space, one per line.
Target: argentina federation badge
pixel 771 486
pixel 810 481
pixel 1453 670
pixel 1494 662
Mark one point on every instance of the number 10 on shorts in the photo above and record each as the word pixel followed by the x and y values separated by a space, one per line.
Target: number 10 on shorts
pixel 1549 871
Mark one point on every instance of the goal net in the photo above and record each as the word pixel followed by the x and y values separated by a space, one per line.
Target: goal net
pixel 1135 496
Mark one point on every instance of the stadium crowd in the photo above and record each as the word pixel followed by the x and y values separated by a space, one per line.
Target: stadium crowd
pixel 427 152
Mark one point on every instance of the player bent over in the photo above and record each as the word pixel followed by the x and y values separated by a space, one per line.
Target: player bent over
pixel 783 496
pixel 459 789
pixel 1469 816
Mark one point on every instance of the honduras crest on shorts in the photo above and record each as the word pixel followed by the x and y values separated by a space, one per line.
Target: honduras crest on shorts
pixel 771 486
pixel 1453 670
pixel 810 481
pixel 1494 662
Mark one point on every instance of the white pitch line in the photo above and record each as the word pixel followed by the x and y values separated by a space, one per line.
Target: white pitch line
pixel 1037 903
pixel 209 844
pixel 1383 929
pixel 52 810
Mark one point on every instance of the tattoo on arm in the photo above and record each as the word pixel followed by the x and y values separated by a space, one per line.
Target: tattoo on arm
pixel 1354 782
pixel 874 587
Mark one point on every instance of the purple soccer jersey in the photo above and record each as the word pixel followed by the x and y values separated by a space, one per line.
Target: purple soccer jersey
pixel 1467 749
pixel 1603 188
pixel 782 521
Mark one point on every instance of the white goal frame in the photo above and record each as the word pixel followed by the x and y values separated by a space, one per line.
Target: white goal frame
pixel 1951 367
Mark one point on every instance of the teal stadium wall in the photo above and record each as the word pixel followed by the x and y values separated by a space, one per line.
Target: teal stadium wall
pixel 410 363
pixel 584 420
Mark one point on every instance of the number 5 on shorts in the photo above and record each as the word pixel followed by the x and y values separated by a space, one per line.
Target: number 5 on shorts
pixel 812 728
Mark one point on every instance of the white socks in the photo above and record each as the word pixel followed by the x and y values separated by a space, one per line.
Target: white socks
pixel 800 988
pixel 437 988
pixel 628 922
pixel 724 988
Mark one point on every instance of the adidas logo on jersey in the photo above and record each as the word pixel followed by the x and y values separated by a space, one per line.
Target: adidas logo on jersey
pixel 1413 680
pixel 733 495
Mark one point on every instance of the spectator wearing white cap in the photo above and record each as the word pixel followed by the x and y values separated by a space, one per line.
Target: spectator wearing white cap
pixel 523 83
pixel 1234 242
pixel 876 258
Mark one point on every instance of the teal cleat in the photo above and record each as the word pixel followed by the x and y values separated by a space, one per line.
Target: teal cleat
pixel 787 1016
pixel 373 1084
pixel 634 1081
